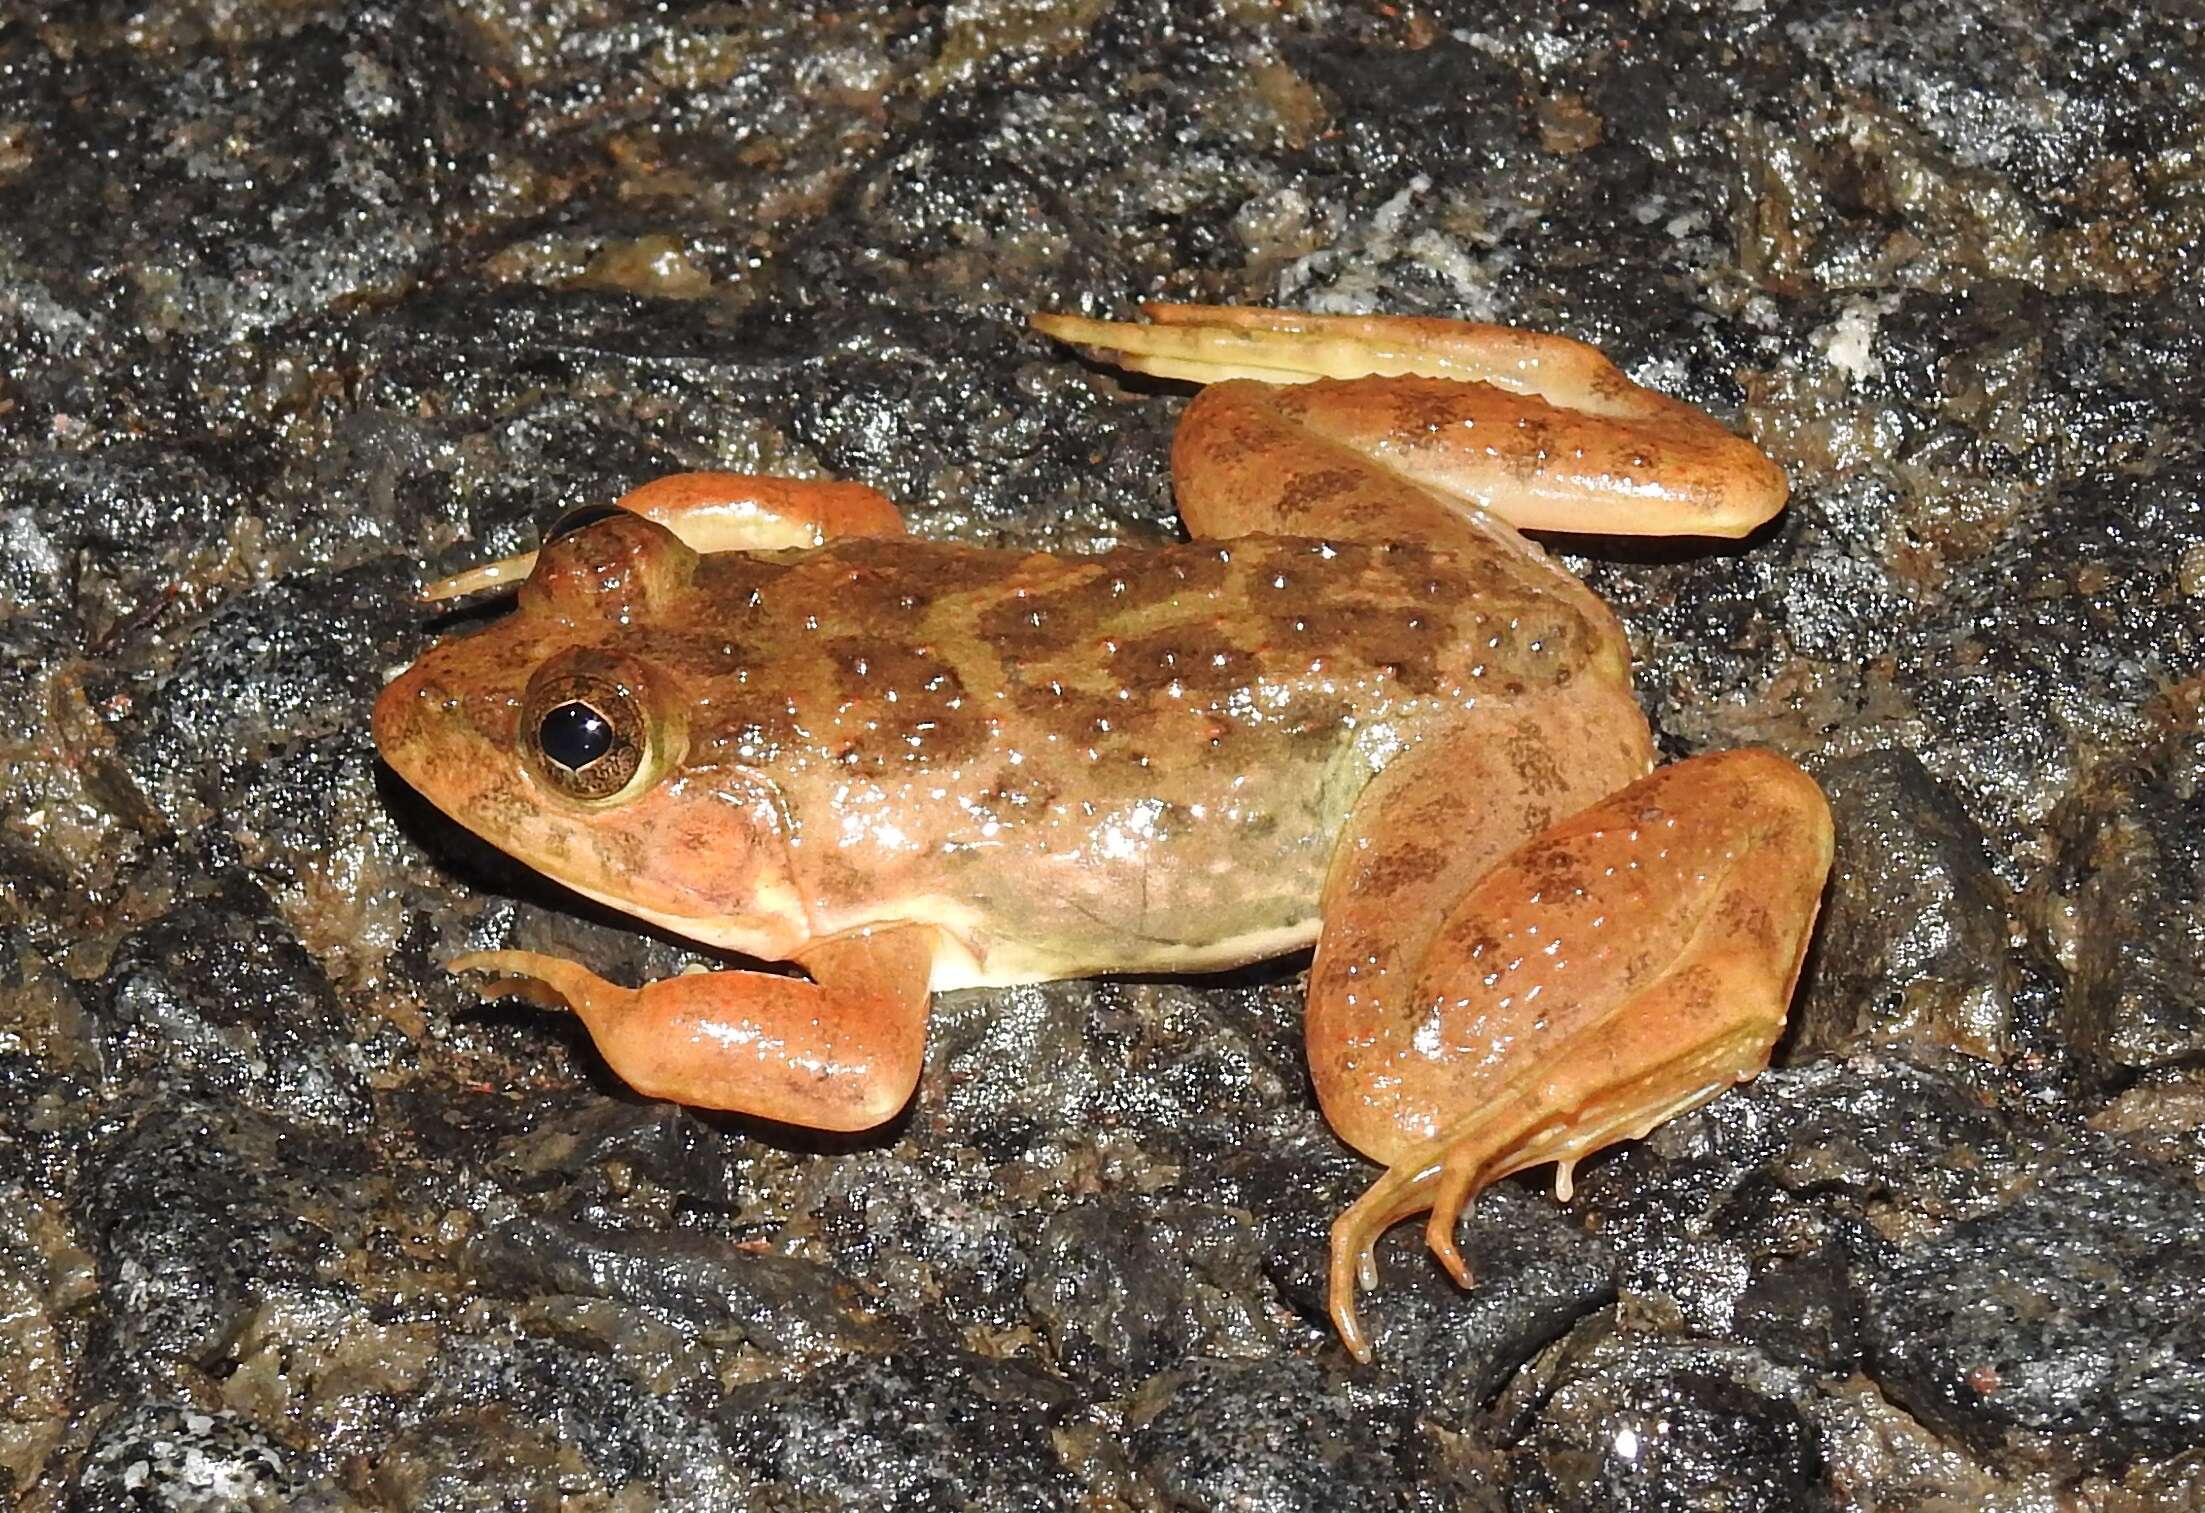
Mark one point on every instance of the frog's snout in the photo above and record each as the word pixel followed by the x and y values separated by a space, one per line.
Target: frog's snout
pixel 409 712
pixel 393 717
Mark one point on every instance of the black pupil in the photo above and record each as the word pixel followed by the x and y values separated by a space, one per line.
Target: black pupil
pixel 578 517
pixel 574 735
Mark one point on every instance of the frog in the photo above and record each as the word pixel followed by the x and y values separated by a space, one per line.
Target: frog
pixel 1356 712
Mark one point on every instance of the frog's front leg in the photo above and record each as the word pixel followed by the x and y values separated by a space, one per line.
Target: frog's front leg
pixel 1391 427
pixel 715 512
pixel 841 1052
pixel 1623 964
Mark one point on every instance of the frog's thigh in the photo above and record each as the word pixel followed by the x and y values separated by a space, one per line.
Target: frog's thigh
pixel 1439 818
pixel 1619 967
pixel 840 1052
pixel 1243 464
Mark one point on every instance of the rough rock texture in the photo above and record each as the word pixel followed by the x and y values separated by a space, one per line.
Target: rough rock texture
pixel 305 301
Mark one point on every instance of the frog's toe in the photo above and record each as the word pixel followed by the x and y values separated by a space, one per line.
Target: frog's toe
pixel 1540 430
pixel 1211 343
pixel 1458 1186
pixel 1354 1259
pixel 1407 1187
pixel 1190 356
pixel 1444 1177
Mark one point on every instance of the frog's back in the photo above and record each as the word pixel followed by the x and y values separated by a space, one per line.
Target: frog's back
pixel 1136 760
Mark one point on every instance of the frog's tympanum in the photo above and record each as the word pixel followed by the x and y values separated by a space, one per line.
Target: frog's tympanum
pixel 1356 710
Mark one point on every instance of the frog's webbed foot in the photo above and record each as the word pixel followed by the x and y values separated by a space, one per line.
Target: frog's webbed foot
pixel 1621 966
pixel 841 1052
pixel 715 512
pixel 1542 431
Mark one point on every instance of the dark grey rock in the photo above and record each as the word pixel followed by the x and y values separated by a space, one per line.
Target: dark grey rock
pixel 183 1459
pixel 931 1239
pixel 1975 1259
pixel 1916 943
pixel 925 1429
pixel 2161 1116
pixel 199 1213
pixel 780 1304
pixel 1123 1288
pixel 1286 1433
pixel 268 676
pixel 1660 1424
pixel 45 1283
pixel 2125 908
pixel 218 996
pixel 479 1459
pixel 2062 1328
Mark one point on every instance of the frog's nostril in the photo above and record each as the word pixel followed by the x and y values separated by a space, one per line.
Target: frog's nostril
pixel 405 706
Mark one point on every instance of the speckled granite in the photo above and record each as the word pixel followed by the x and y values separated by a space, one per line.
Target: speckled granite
pixel 305 301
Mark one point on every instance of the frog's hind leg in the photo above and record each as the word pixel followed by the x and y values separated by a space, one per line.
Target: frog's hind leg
pixel 1394 427
pixel 1472 1017
pixel 716 512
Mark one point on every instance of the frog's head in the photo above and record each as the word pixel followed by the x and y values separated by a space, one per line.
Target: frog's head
pixel 560 734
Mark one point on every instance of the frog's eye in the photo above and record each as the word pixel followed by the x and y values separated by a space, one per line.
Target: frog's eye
pixel 587 734
pixel 577 738
pixel 580 517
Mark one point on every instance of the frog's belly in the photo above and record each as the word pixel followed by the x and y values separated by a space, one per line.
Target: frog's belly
pixel 970 959
pixel 1204 844
pixel 1072 904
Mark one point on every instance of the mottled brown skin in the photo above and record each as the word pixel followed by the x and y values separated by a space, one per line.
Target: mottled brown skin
pixel 1358 710
pixel 1043 744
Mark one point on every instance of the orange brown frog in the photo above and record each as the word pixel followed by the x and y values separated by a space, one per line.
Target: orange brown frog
pixel 1357 710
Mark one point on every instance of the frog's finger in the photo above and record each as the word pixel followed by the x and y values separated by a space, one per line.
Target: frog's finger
pixel 506 572
pixel 1451 1196
pixel 1210 353
pixel 717 512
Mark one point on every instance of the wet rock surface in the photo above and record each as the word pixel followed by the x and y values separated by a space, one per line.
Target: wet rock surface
pixel 305 303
